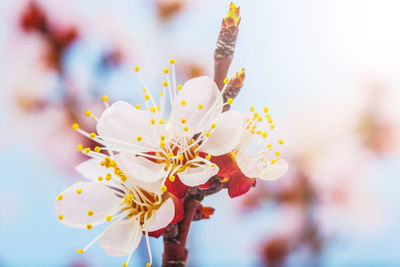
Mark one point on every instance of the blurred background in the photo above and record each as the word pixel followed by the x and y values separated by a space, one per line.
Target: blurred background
pixel 328 70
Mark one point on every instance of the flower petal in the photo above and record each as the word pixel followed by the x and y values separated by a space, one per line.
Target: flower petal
pixel 177 188
pixel 274 171
pixel 140 168
pixel 198 175
pixel 91 170
pixel 247 165
pixel 75 203
pixel 239 184
pixel 125 123
pixel 197 91
pixel 226 135
pixel 161 218
pixel 226 164
pixel 122 238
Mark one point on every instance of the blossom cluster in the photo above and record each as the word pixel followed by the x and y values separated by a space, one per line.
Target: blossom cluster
pixel 148 157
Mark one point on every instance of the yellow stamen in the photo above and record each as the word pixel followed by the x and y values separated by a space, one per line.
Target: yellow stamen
pixel 172 61
pixel 208 157
pixel 277 153
pixel 80 251
pixel 80 147
pixel 92 135
pixel 137 106
pixel 105 98
pixel 165 83
pixel 230 101
pixel 60 197
pixel 100 178
pixel 109 218
pixel 183 120
pixel 183 103
pixel 226 80
pixel 60 217
pixel 166 70
pixel 266 109
pixel 280 141
pixel 89 226
pixel 75 126
pixel 172 178
pixel 139 138
pixel 137 68
pixel 208 134
pixel 87 150
pixel 78 191
pixel 200 106
pixel 185 129
pixel 179 87
pixel 90 213
pixel 88 113
pixel 146 97
pixel 163 188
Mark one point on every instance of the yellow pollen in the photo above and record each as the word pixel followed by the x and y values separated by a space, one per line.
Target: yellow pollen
pixel 93 117
pixel 162 138
pixel 108 177
pixel 109 218
pixel 75 126
pixel 183 103
pixel 264 134
pixel 90 213
pixel 92 135
pixel 212 165
pixel 269 146
pixel 274 161
pixel 88 113
pixel 259 119
pixel 161 93
pixel 183 120
pixel 226 80
pixel 230 101
pixel 208 134
pixel 172 61
pixel 146 97
pixel 89 226
pixel 213 126
pixel 166 70
pixel 179 87
pixel 161 121
pixel 87 150
pixel 208 157
pixel 80 147
pixel 185 129
pixel 105 98
pixel 144 90
pixel 152 121
pixel 80 251
pixel 137 106
pixel 280 141
pixel 123 178
pixel 258 132
pixel 200 106
pixel 124 264
pixel 97 149
pixel 272 126
pixel 172 178
pixel 100 178
pixel 277 153
pixel 137 68
pixel 162 144
pixel 153 110
pixel 139 138
pixel 180 157
pixel 266 109
pixel 251 109
pixel 163 188
pixel 79 191
pixel 60 197
pixel 165 83
pixel 60 217
pixel 148 264
pixel 170 154
pixel 270 120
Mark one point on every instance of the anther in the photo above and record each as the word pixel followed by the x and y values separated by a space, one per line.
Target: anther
pixel 100 178
pixel 166 70
pixel 272 126
pixel 165 83
pixel 89 226
pixel 75 126
pixel 88 113
pixel 80 251
pixel 137 106
pixel 97 149
pixel 280 141
pixel 180 157
pixel 183 120
pixel 80 147
pixel 139 138
pixel 172 61
pixel 172 178
pixel 251 109
pixel 162 138
pixel 183 103
pixel 146 97
pixel 179 87
pixel 161 121
pixel 266 109
pixel 185 129
pixel 124 264
pixel 153 110
pixel 78 191
pixel 60 217
pixel 200 106
pixel 230 101
pixel 208 134
pixel 208 157
pixel 105 98
pixel 277 153
pixel 90 213
pixel 87 150
pixel 264 134
pixel 226 80
pixel 108 218
pixel 170 154
pixel 92 135
pixel 137 68
pixel 60 197
pixel 108 177
pixel 213 126
pixel 163 188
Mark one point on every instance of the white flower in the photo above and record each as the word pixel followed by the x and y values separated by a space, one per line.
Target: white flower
pixel 152 147
pixel 255 154
pixel 131 207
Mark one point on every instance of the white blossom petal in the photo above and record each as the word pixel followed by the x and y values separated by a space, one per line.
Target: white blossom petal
pixel 91 170
pixel 274 171
pixel 76 202
pixel 226 135
pixel 160 218
pixel 125 123
pixel 247 165
pixel 122 238
pixel 198 175
pixel 197 91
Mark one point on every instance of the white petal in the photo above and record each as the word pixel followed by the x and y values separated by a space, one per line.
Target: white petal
pixel 226 135
pixel 94 197
pixel 161 218
pixel 122 238
pixel 140 168
pixel 274 171
pixel 247 165
pixel 200 90
pixel 198 175
pixel 91 170
pixel 124 122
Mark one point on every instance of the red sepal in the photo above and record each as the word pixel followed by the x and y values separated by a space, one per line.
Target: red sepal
pixel 177 188
pixel 226 164
pixel 207 185
pixel 239 184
